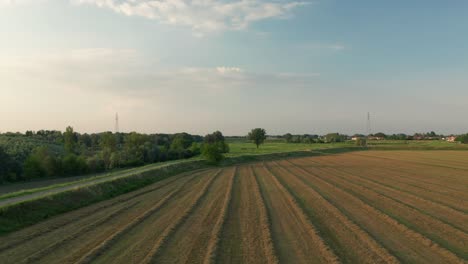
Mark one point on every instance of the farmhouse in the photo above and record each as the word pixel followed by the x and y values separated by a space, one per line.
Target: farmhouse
pixel 451 138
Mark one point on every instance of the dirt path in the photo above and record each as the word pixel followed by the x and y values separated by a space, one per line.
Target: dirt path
pixel 76 231
pixel 77 182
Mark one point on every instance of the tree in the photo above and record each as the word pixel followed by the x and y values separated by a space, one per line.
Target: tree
pixel 258 136
pixel 70 140
pixel 217 138
pixel 462 139
pixel 214 147
pixel 42 163
pixel 334 137
pixel 380 135
pixel 361 142
pixel 181 141
pixel 288 137
pixel 108 142
pixel 9 169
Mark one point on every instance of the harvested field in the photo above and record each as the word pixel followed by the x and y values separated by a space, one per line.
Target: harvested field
pixel 360 207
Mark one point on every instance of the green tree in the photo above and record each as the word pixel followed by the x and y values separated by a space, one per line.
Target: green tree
pixel 361 142
pixel 213 147
pixel 258 136
pixel 181 141
pixel 70 140
pixel 462 139
pixel 334 137
pixel 288 137
pixel 42 163
pixel 212 153
pixel 108 142
pixel 9 169
pixel 217 138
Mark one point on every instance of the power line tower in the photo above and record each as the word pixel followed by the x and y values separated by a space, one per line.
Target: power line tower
pixel 116 122
pixel 368 128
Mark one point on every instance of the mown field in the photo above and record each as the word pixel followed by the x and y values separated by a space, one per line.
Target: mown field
pixel 359 207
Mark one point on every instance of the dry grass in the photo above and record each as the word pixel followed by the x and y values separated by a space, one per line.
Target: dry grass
pixel 392 207
pixel 416 249
pixel 295 238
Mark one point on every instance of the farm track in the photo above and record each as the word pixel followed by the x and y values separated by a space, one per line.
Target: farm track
pixel 295 238
pixel 346 239
pixel 453 239
pixel 29 242
pixel 388 231
pixel 246 237
pixel 441 212
pixel 344 208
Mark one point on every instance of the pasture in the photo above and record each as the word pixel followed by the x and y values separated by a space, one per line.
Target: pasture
pixel 358 207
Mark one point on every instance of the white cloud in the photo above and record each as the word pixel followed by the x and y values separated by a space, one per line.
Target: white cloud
pixel 203 16
pixel 18 2
pixel 336 47
pixel 227 70
pixel 324 46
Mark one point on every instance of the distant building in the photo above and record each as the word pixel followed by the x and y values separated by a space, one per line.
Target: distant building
pixel 375 138
pixel 451 138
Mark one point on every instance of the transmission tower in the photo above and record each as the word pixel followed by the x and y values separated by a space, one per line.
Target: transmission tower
pixel 116 122
pixel 368 128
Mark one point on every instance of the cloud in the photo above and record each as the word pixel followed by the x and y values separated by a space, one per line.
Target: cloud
pixel 336 47
pixel 324 46
pixel 18 2
pixel 227 70
pixel 202 16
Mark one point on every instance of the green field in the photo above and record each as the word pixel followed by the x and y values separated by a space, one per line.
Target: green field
pixel 238 148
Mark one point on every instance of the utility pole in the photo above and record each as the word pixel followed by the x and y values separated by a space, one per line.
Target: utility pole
pixel 116 122
pixel 368 129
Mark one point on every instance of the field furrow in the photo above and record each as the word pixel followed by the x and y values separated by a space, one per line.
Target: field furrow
pixel 346 239
pixel 171 232
pixel 78 218
pixel 383 177
pixel 295 239
pixel 416 159
pixel 451 238
pixel 67 236
pixel 357 207
pixel 448 159
pixel 138 239
pixel 437 179
pixel 443 213
pixel 190 241
pixel 213 243
pixel 388 231
pixel 246 236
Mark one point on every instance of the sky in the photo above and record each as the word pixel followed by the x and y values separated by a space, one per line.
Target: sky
pixel 198 66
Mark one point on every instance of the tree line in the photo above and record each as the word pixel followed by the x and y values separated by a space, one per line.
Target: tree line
pixel 48 153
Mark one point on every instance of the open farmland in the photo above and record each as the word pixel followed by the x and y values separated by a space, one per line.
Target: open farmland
pixel 359 207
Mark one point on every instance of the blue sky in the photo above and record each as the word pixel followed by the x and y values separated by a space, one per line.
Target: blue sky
pixel 204 65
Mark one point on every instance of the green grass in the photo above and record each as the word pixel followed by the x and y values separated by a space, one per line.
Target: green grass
pixel 239 148
pixel 111 175
pixel 416 145
pixel 19 215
